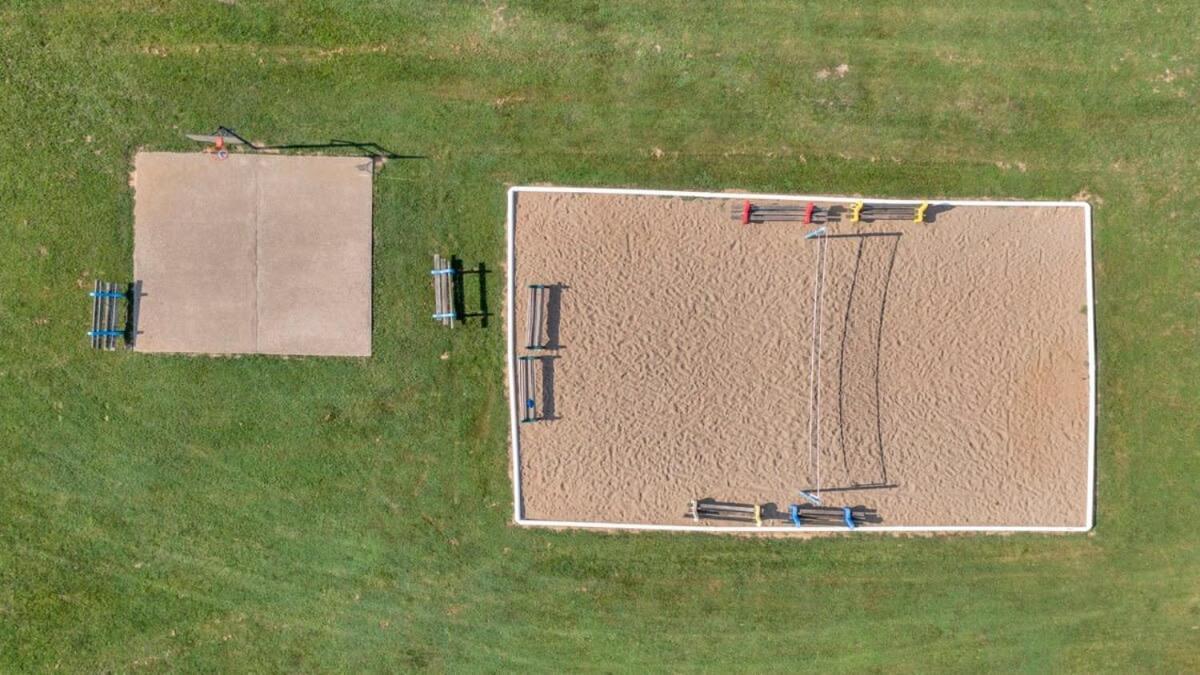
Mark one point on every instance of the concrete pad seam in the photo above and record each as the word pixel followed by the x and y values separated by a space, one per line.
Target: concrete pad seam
pixel 257 251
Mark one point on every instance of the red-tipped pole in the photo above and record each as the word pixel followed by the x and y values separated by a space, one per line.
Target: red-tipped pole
pixel 746 212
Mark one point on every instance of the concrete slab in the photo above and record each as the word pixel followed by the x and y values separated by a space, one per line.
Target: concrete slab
pixel 253 254
pixel 314 257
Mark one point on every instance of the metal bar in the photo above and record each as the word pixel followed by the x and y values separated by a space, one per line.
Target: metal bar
pixel 544 318
pixel 444 303
pixel 540 318
pixel 777 216
pixel 110 326
pixel 443 291
pixel 437 289
pixel 96 302
pixel 117 328
pixel 526 389
pixel 534 317
pixel 449 295
pixel 727 508
pixel 770 214
pixel 205 138
pixel 534 363
pixel 520 395
pixel 767 209
pixel 533 389
pixel 444 280
pixel 103 316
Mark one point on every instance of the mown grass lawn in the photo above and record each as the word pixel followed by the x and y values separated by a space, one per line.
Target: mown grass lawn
pixel 180 513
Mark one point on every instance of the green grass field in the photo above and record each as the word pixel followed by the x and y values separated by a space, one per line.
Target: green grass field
pixel 179 513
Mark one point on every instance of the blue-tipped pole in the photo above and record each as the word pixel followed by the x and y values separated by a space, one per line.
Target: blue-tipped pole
pixel 810 498
pixel 848 517
pixel 815 233
pixel 794 512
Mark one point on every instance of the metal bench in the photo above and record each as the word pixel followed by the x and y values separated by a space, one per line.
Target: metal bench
pixel 700 509
pixel 108 321
pixel 802 515
pixel 527 388
pixel 444 279
pixel 537 316
pixel 806 213
pixel 865 212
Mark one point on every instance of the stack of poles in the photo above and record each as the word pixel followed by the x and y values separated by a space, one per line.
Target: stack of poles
pixel 810 213
pixel 106 320
pixel 525 389
pixel 537 310
pixel 889 212
pixel 711 510
pixel 844 514
pixel 443 291
pixel 807 214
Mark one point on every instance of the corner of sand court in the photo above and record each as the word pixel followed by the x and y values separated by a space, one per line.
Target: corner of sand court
pixel 927 375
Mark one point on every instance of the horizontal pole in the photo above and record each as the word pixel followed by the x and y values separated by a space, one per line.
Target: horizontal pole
pixel 205 138
pixel 724 508
pixel 790 209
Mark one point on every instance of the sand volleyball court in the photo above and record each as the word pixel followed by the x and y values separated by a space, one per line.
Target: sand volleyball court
pixel 671 348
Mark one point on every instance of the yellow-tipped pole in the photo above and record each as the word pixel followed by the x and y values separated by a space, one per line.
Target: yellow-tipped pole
pixel 856 211
pixel 919 216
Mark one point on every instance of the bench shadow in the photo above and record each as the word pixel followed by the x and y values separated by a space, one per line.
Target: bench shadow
pixel 554 316
pixel 480 272
pixel 549 412
pixel 934 210
pixel 135 295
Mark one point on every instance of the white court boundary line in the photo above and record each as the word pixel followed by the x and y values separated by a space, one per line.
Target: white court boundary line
pixel 510 311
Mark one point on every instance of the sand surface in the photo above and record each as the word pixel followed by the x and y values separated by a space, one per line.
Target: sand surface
pixel 262 254
pixel 953 363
